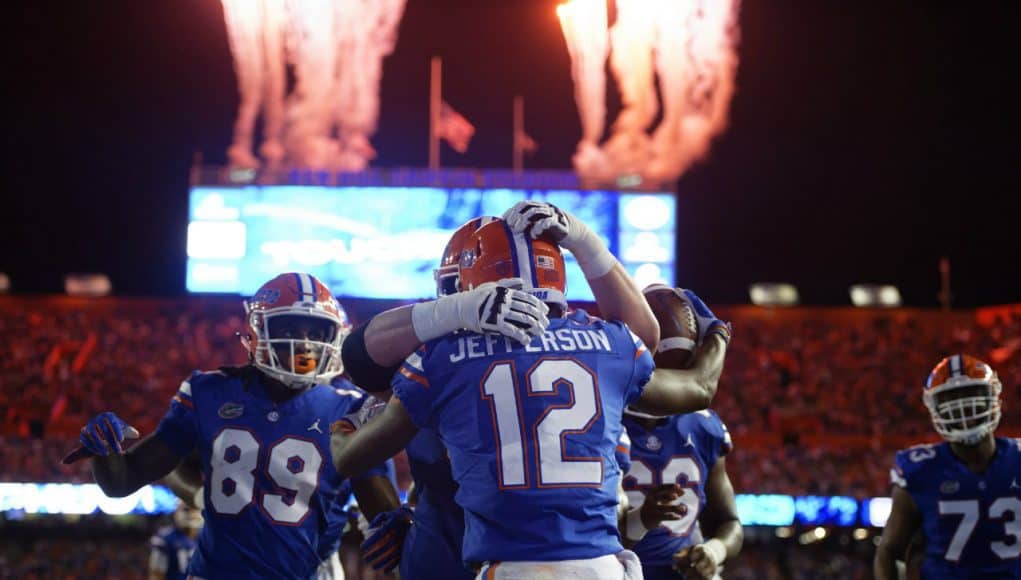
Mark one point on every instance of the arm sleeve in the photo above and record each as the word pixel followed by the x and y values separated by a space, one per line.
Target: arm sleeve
pixel 412 388
pixel 179 427
pixel 359 365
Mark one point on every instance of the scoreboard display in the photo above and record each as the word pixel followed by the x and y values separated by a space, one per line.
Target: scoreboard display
pixel 384 242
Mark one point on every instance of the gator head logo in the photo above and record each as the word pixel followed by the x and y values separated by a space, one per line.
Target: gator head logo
pixel 653 443
pixel 231 410
pixel 949 487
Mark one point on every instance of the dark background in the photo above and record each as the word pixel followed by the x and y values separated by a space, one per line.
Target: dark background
pixel 867 139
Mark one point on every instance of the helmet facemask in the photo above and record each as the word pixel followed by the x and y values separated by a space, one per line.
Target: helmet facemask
pixel 446 280
pixel 964 410
pixel 297 346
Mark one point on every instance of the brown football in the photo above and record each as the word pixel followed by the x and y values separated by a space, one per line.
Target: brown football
pixel 678 327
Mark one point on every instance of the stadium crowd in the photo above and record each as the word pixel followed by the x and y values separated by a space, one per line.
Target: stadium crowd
pixel 68 559
pixel 806 392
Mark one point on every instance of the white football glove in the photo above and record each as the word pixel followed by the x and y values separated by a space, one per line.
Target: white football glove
pixel 541 219
pixel 494 307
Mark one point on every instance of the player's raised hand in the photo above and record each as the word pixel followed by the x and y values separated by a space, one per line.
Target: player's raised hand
pixel 385 536
pixel 708 323
pixel 660 505
pixel 701 561
pixel 104 433
pixel 541 219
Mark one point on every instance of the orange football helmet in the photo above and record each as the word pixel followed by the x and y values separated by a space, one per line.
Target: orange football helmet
pixel 446 275
pixel 494 252
pixel 296 328
pixel 962 394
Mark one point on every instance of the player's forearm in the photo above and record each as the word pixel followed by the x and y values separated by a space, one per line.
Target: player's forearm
pixel 115 476
pixel 121 474
pixel 884 566
pixel 619 299
pixel 390 337
pixel 731 533
pixel 709 364
pixel 674 392
pixel 375 495
pixel 352 456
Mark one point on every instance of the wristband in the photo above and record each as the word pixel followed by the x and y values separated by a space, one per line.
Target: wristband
pixel 635 528
pixel 721 328
pixel 435 318
pixel 717 551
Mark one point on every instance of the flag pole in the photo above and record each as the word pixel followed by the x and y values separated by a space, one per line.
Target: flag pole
pixel 517 158
pixel 435 98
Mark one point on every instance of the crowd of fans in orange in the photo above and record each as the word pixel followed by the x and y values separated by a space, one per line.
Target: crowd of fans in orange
pixel 817 400
pixel 69 559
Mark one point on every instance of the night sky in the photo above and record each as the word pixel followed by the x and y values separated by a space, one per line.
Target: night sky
pixel 867 139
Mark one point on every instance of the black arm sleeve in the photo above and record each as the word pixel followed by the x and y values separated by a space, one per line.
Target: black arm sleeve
pixel 364 371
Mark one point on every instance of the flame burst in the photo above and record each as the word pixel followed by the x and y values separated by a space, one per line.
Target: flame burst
pixel 336 50
pixel 689 45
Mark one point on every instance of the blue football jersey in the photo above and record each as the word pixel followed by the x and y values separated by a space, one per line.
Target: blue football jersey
pixel 623 452
pixel 683 449
pixel 432 548
pixel 270 484
pixel 531 431
pixel 170 551
pixel 971 521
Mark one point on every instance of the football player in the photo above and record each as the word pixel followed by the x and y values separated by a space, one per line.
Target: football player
pixel 171 547
pixel 433 529
pixel 678 488
pixel 186 482
pixel 531 428
pixel 964 494
pixel 262 433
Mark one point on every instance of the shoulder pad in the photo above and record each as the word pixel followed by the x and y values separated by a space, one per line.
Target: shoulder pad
pixel 718 430
pixel 208 377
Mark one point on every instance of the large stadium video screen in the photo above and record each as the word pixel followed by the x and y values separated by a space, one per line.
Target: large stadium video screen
pixel 384 242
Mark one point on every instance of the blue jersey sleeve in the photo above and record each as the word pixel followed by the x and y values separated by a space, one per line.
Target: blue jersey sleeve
pixel 179 427
pixel 909 463
pixel 718 434
pixel 412 388
pixel 643 367
pixel 623 452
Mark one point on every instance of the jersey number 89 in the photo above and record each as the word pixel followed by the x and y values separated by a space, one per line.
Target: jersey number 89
pixel 292 466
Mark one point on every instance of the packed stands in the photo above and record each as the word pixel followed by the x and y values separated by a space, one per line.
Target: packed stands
pixel 807 392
